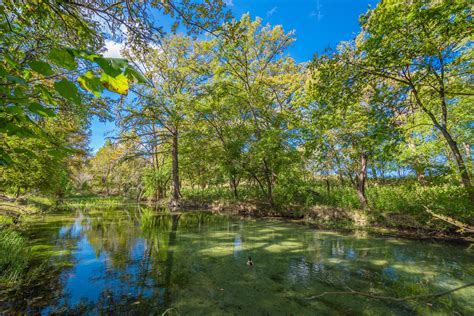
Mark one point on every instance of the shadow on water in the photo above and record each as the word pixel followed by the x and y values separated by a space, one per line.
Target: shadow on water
pixel 138 260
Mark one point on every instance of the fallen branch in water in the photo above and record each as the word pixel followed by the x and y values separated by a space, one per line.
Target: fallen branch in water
pixel 390 298
pixel 462 226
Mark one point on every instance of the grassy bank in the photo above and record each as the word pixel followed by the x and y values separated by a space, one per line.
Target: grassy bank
pixel 15 254
pixel 88 201
pixel 12 210
pixel 392 206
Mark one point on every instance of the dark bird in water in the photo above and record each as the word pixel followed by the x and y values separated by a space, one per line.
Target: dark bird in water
pixel 249 261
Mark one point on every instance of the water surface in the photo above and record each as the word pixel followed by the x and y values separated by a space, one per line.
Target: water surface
pixel 139 261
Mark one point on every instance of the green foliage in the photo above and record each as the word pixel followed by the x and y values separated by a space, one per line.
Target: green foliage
pixel 14 256
pixel 234 117
pixel 67 90
pixel 46 46
pixel 248 122
pixel 423 51
pixel 401 204
pixel 39 63
pixel 156 181
pixel 41 67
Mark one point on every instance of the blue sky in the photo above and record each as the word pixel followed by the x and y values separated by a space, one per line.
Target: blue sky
pixel 318 24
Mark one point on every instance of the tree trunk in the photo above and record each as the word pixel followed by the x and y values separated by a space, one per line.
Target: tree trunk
pixel 453 146
pixel 270 192
pixel 140 194
pixel 467 148
pixel 159 190
pixel 328 186
pixel 269 182
pixel 420 172
pixel 360 182
pixel 233 185
pixel 382 172
pixel 175 193
pixel 465 179
pixel 341 178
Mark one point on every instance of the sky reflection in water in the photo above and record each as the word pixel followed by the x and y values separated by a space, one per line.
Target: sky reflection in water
pixel 140 261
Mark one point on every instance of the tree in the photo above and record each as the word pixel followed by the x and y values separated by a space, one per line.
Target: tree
pixel 250 63
pixel 222 126
pixel 50 57
pixel 174 72
pixel 351 115
pixel 424 49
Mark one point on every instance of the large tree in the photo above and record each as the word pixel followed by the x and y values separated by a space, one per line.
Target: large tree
pixel 424 49
pixel 350 116
pixel 250 61
pixel 174 72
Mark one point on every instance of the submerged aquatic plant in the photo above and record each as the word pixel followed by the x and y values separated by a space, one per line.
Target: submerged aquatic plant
pixel 14 256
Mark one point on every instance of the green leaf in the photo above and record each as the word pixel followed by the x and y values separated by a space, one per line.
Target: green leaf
pixel 90 82
pixel 5 158
pixel 68 90
pixel 118 84
pixel 62 57
pixel 16 79
pixel 45 94
pixel 3 71
pixel 15 130
pixel 111 66
pixel 41 110
pixel 84 54
pixel 15 109
pixel 26 152
pixel 11 61
pixel 56 153
pixel 41 67
pixel 19 92
pixel 133 75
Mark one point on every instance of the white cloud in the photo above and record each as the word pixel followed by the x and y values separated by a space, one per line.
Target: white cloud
pixel 113 49
pixel 272 11
pixel 229 3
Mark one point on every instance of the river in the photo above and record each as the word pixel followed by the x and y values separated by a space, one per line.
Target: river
pixel 134 260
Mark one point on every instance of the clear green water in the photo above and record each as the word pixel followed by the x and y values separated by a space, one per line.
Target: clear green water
pixel 136 261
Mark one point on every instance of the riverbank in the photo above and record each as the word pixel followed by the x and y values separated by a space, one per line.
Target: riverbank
pixel 421 226
pixel 414 226
pixel 13 210
pixel 15 253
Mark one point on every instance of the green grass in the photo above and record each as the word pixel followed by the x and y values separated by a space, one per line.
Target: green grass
pixel 391 202
pixel 220 194
pixel 396 205
pixel 14 256
pixel 94 201
pixel 13 211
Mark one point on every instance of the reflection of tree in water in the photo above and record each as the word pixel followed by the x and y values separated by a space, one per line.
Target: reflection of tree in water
pixel 139 251
pixel 42 285
pixel 161 232
pixel 151 261
pixel 114 235
pixel 351 264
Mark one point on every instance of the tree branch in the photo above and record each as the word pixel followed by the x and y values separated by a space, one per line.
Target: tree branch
pixel 390 298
